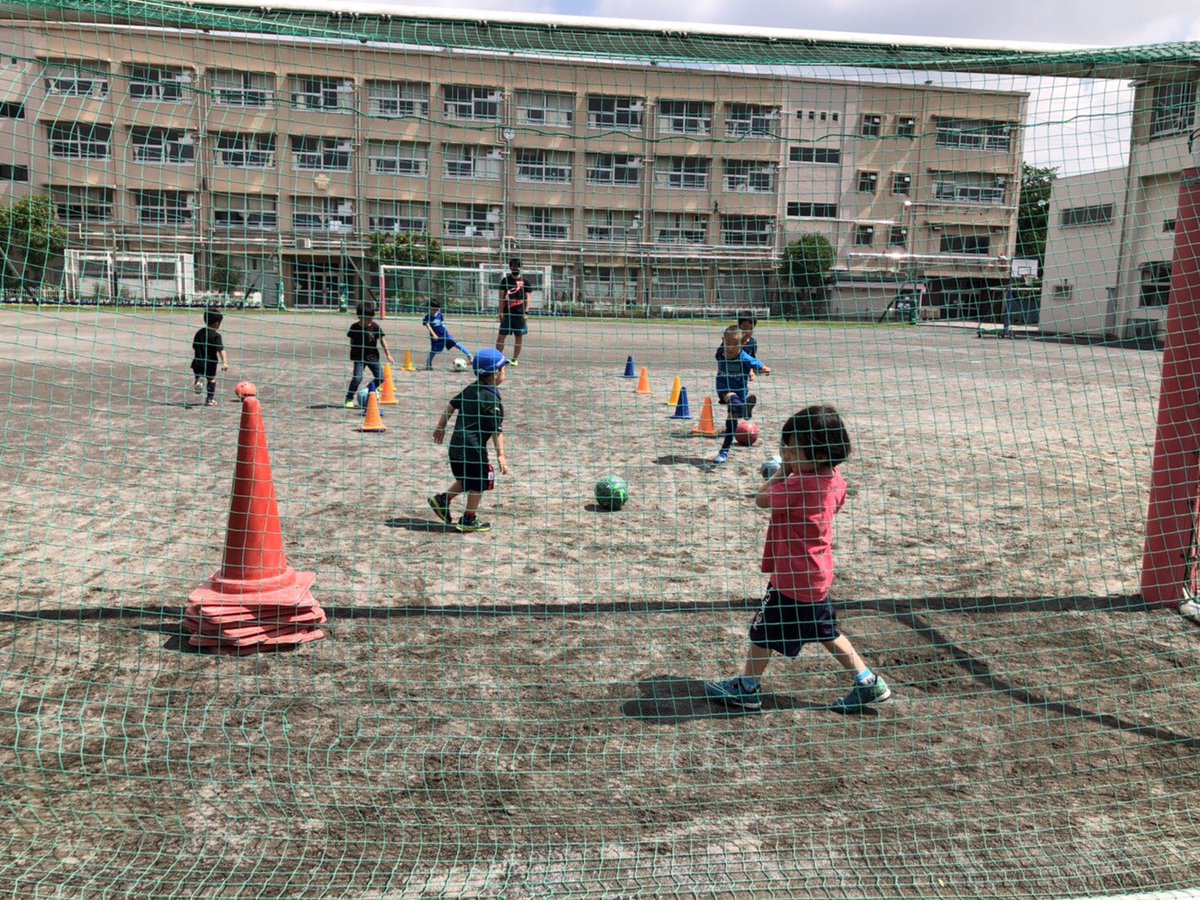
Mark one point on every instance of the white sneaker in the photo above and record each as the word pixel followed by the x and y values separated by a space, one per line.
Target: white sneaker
pixel 196 388
pixel 1190 609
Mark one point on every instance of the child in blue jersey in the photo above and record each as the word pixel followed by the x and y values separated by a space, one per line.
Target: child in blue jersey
pixel 749 341
pixel 734 366
pixel 440 337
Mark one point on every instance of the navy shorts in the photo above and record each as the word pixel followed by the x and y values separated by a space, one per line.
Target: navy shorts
pixel 474 475
pixel 786 625
pixel 204 368
pixel 509 325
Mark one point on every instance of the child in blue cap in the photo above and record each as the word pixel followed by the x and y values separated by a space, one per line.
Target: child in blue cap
pixel 480 418
pixel 440 337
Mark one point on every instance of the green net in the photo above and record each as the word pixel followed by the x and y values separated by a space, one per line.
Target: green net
pixel 970 251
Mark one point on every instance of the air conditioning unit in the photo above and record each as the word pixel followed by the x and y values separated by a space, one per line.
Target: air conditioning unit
pixel 494 154
pixel 495 96
pixel 345 209
pixel 635 163
pixel 303 243
pixel 344 148
pixel 637 106
pixel 184 77
pixel 493 216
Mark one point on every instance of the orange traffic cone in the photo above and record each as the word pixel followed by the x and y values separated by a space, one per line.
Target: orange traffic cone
pixel 373 421
pixel 644 381
pixel 256 600
pixel 706 426
pixel 676 387
pixel 408 366
pixel 387 391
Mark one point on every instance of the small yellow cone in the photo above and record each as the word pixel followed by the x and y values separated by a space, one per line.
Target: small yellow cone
pixel 676 387
pixel 408 366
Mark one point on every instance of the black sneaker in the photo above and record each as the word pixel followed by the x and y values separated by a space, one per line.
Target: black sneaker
pixel 751 401
pixel 466 525
pixel 441 507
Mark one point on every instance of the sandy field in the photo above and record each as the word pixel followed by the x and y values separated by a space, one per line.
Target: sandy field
pixel 520 713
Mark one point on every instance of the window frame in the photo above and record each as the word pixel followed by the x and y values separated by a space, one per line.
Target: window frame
pixel 415 106
pixel 168 144
pixel 691 117
pixel 259 145
pixel 325 156
pixel 268 214
pixel 668 169
pixel 177 214
pixel 628 107
pixel 538 166
pixel 477 104
pixel 616 165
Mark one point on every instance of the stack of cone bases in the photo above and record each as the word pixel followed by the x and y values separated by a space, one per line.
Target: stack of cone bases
pixel 256 601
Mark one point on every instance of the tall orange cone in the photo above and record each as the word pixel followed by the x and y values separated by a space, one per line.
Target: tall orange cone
pixel 644 381
pixel 256 595
pixel 706 426
pixel 676 387
pixel 408 366
pixel 387 391
pixel 373 421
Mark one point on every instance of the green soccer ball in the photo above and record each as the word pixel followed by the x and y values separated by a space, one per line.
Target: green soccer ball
pixel 611 492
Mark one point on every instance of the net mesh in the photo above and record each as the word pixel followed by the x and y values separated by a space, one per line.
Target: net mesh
pixel 970 252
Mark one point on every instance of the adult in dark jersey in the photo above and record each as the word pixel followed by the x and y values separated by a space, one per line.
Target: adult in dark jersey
pixel 514 309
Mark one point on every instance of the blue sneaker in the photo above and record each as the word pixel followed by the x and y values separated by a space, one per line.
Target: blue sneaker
pixel 864 695
pixel 722 457
pixel 735 692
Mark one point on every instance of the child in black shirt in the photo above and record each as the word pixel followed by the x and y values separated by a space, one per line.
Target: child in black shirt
pixel 207 350
pixel 366 337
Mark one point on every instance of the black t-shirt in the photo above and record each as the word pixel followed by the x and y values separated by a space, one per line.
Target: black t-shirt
pixel 364 341
pixel 514 299
pixel 207 344
pixel 480 415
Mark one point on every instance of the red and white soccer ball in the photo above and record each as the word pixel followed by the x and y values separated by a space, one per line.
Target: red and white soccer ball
pixel 747 433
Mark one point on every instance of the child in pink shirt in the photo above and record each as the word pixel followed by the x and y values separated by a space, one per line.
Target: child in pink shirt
pixel 803 496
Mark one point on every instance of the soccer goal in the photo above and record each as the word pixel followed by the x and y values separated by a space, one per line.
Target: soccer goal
pixel 463 289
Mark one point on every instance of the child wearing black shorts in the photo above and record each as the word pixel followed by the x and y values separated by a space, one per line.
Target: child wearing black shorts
pixel 803 497
pixel 207 350
pixel 366 339
pixel 480 418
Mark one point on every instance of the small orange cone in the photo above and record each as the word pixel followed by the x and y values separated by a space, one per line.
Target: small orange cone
pixel 706 426
pixel 676 387
pixel 387 391
pixel 373 421
pixel 408 366
pixel 644 381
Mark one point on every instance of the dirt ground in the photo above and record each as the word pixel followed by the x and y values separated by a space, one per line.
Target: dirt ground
pixel 520 713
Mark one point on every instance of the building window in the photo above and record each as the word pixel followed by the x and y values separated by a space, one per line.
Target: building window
pixel 78 140
pixel 11 110
pixel 864 235
pixel 159 84
pixel 470 220
pixel 812 210
pixel 542 223
pixel 606 284
pixel 407 160
pixel 13 172
pixel 398 216
pixel 250 212
pixel 966 244
pixel 612 225
pixel 1098 214
pixel 397 99
pixel 1156 283
pixel 749 176
pixel 680 228
pixel 615 113
pixel 316 94
pixel 974 134
pixel 245 151
pixel 64 79
pixel 472 104
pixel 82 205
pixel 163 145
pixel 906 126
pixel 1168 225
pixel 824 156
pixel 470 161
pixel 746 120
pixel 545 110
pixel 321 154
pixel 334 214
pixel 613 168
pixel 901 183
pixel 969 187
pixel 747 231
pixel 682 286
pixel 1064 291
pixel 684 117
pixel 897 236
pixel 243 90
pixel 867 182
pixel 687 173
pixel 544 166
pixel 169 209
pixel 1173 107
pixel 870 125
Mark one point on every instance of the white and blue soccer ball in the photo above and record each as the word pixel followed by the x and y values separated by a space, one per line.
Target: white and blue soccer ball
pixel 772 465
pixel 460 364
pixel 363 396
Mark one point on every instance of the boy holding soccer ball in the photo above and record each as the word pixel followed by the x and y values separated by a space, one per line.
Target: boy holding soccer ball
pixel 480 419
pixel 803 497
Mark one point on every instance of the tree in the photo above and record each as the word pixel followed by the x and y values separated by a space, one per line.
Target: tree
pixel 224 275
pixel 1034 211
pixel 29 240
pixel 807 263
pixel 410 249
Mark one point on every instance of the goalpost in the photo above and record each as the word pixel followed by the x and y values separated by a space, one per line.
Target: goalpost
pixel 462 289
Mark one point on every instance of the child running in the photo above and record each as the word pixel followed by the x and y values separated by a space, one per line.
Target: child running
pixel 734 366
pixel 803 497
pixel 207 350
pixel 480 418
pixel 366 337
pixel 440 337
